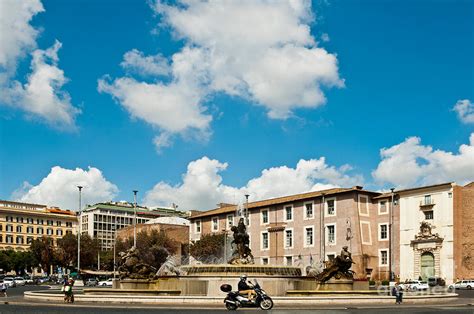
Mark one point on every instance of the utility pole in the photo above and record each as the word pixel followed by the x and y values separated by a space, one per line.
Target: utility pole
pixel 115 240
pixel 79 232
pixel 135 218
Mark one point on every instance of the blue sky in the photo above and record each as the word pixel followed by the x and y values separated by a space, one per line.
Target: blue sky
pixel 405 65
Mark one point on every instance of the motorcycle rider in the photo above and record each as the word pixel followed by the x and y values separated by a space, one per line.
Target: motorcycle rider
pixel 244 288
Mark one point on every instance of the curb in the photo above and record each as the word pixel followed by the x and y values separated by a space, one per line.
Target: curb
pixel 41 295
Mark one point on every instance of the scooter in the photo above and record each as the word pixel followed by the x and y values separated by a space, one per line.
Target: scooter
pixel 235 300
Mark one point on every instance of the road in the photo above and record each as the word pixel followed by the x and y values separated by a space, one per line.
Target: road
pixel 15 303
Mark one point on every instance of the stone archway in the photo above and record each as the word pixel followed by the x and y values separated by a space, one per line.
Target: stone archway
pixel 427 265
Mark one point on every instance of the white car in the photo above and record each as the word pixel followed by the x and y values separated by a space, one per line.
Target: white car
pixel 20 281
pixel 9 281
pixel 105 283
pixel 414 285
pixel 462 284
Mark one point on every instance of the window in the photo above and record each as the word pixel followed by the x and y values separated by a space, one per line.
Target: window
pixel 289 260
pixel 288 213
pixel 59 232
pixel 331 234
pixel 265 261
pixel 383 208
pixel 29 220
pixel 69 224
pixel 429 215
pixel 29 229
pixel 308 210
pixel 215 224
pixel 309 236
pixel 19 219
pixel 230 221
pixel 58 223
pixel 9 218
pixel 9 228
pixel 198 226
pixel 264 217
pixel 9 239
pixel 1 227
pixel 427 200
pixel 383 229
pixel 19 240
pixel 331 207
pixel 39 230
pixel 265 241
pixel 383 258
pixel 288 238
pixel 49 222
pixel 49 231
pixel 39 221
pixel 29 240
pixel 1 238
pixel 331 257
pixel 450 194
pixel 18 228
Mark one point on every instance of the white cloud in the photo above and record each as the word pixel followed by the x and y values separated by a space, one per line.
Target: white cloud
pixel 16 34
pixel 173 107
pixel 59 188
pixel 465 110
pixel 202 187
pixel 42 95
pixel 259 50
pixel 325 37
pixel 256 49
pixel 135 61
pixel 410 164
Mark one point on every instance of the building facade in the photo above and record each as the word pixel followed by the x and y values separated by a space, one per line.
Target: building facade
pixel 436 239
pixel 313 227
pixel 101 220
pixel 21 223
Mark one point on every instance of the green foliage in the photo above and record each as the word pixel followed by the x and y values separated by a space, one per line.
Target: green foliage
pixel 385 282
pixel 89 251
pixel 371 283
pixel 19 261
pixel 208 247
pixel 66 251
pixel 43 251
pixel 154 247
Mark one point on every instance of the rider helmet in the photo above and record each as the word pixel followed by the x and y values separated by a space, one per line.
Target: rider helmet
pixel 243 277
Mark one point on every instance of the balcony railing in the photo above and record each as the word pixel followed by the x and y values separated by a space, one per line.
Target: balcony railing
pixel 426 203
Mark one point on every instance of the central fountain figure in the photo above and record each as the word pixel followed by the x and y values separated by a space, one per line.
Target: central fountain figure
pixel 242 253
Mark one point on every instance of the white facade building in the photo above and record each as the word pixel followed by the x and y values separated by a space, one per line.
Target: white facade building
pixel 426 232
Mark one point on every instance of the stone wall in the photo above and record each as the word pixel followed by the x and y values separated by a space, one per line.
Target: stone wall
pixel 464 231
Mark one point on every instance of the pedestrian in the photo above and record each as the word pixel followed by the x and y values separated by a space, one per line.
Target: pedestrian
pixel 396 293
pixel 400 294
pixel 4 288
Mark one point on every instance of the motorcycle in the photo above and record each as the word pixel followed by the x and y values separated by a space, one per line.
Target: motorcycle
pixel 235 300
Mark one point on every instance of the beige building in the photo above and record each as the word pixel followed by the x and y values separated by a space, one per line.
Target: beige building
pixel 310 227
pixel 21 223
pixel 436 232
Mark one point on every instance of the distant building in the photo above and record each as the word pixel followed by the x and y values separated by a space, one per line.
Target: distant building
pixel 21 223
pixel 101 220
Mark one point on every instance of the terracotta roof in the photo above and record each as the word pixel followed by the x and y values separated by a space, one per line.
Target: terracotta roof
pixel 385 195
pixel 278 200
pixel 60 211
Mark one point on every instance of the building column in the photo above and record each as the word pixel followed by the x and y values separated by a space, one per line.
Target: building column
pixel 417 265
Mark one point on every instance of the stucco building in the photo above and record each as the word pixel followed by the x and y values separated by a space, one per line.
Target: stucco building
pixel 21 223
pixel 310 227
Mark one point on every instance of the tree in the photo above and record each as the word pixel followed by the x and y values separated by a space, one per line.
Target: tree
pixel 209 248
pixel 89 250
pixel 154 247
pixel 66 252
pixel 42 250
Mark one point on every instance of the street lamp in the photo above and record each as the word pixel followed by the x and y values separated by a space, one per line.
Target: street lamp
pixel 390 256
pixel 135 218
pixel 115 240
pixel 247 210
pixel 79 232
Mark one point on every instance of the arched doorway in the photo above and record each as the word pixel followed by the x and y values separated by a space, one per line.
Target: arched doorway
pixel 427 265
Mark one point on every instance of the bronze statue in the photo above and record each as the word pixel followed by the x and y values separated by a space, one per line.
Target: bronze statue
pixel 338 268
pixel 242 253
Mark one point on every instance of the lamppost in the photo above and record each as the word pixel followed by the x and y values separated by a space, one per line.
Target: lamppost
pixel 390 237
pixel 135 218
pixel 247 210
pixel 115 240
pixel 79 232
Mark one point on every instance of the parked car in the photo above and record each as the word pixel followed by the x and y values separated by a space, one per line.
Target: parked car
pixel 462 284
pixel 106 283
pixel 436 281
pixel 414 285
pixel 29 280
pixel 91 282
pixel 20 281
pixel 10 281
